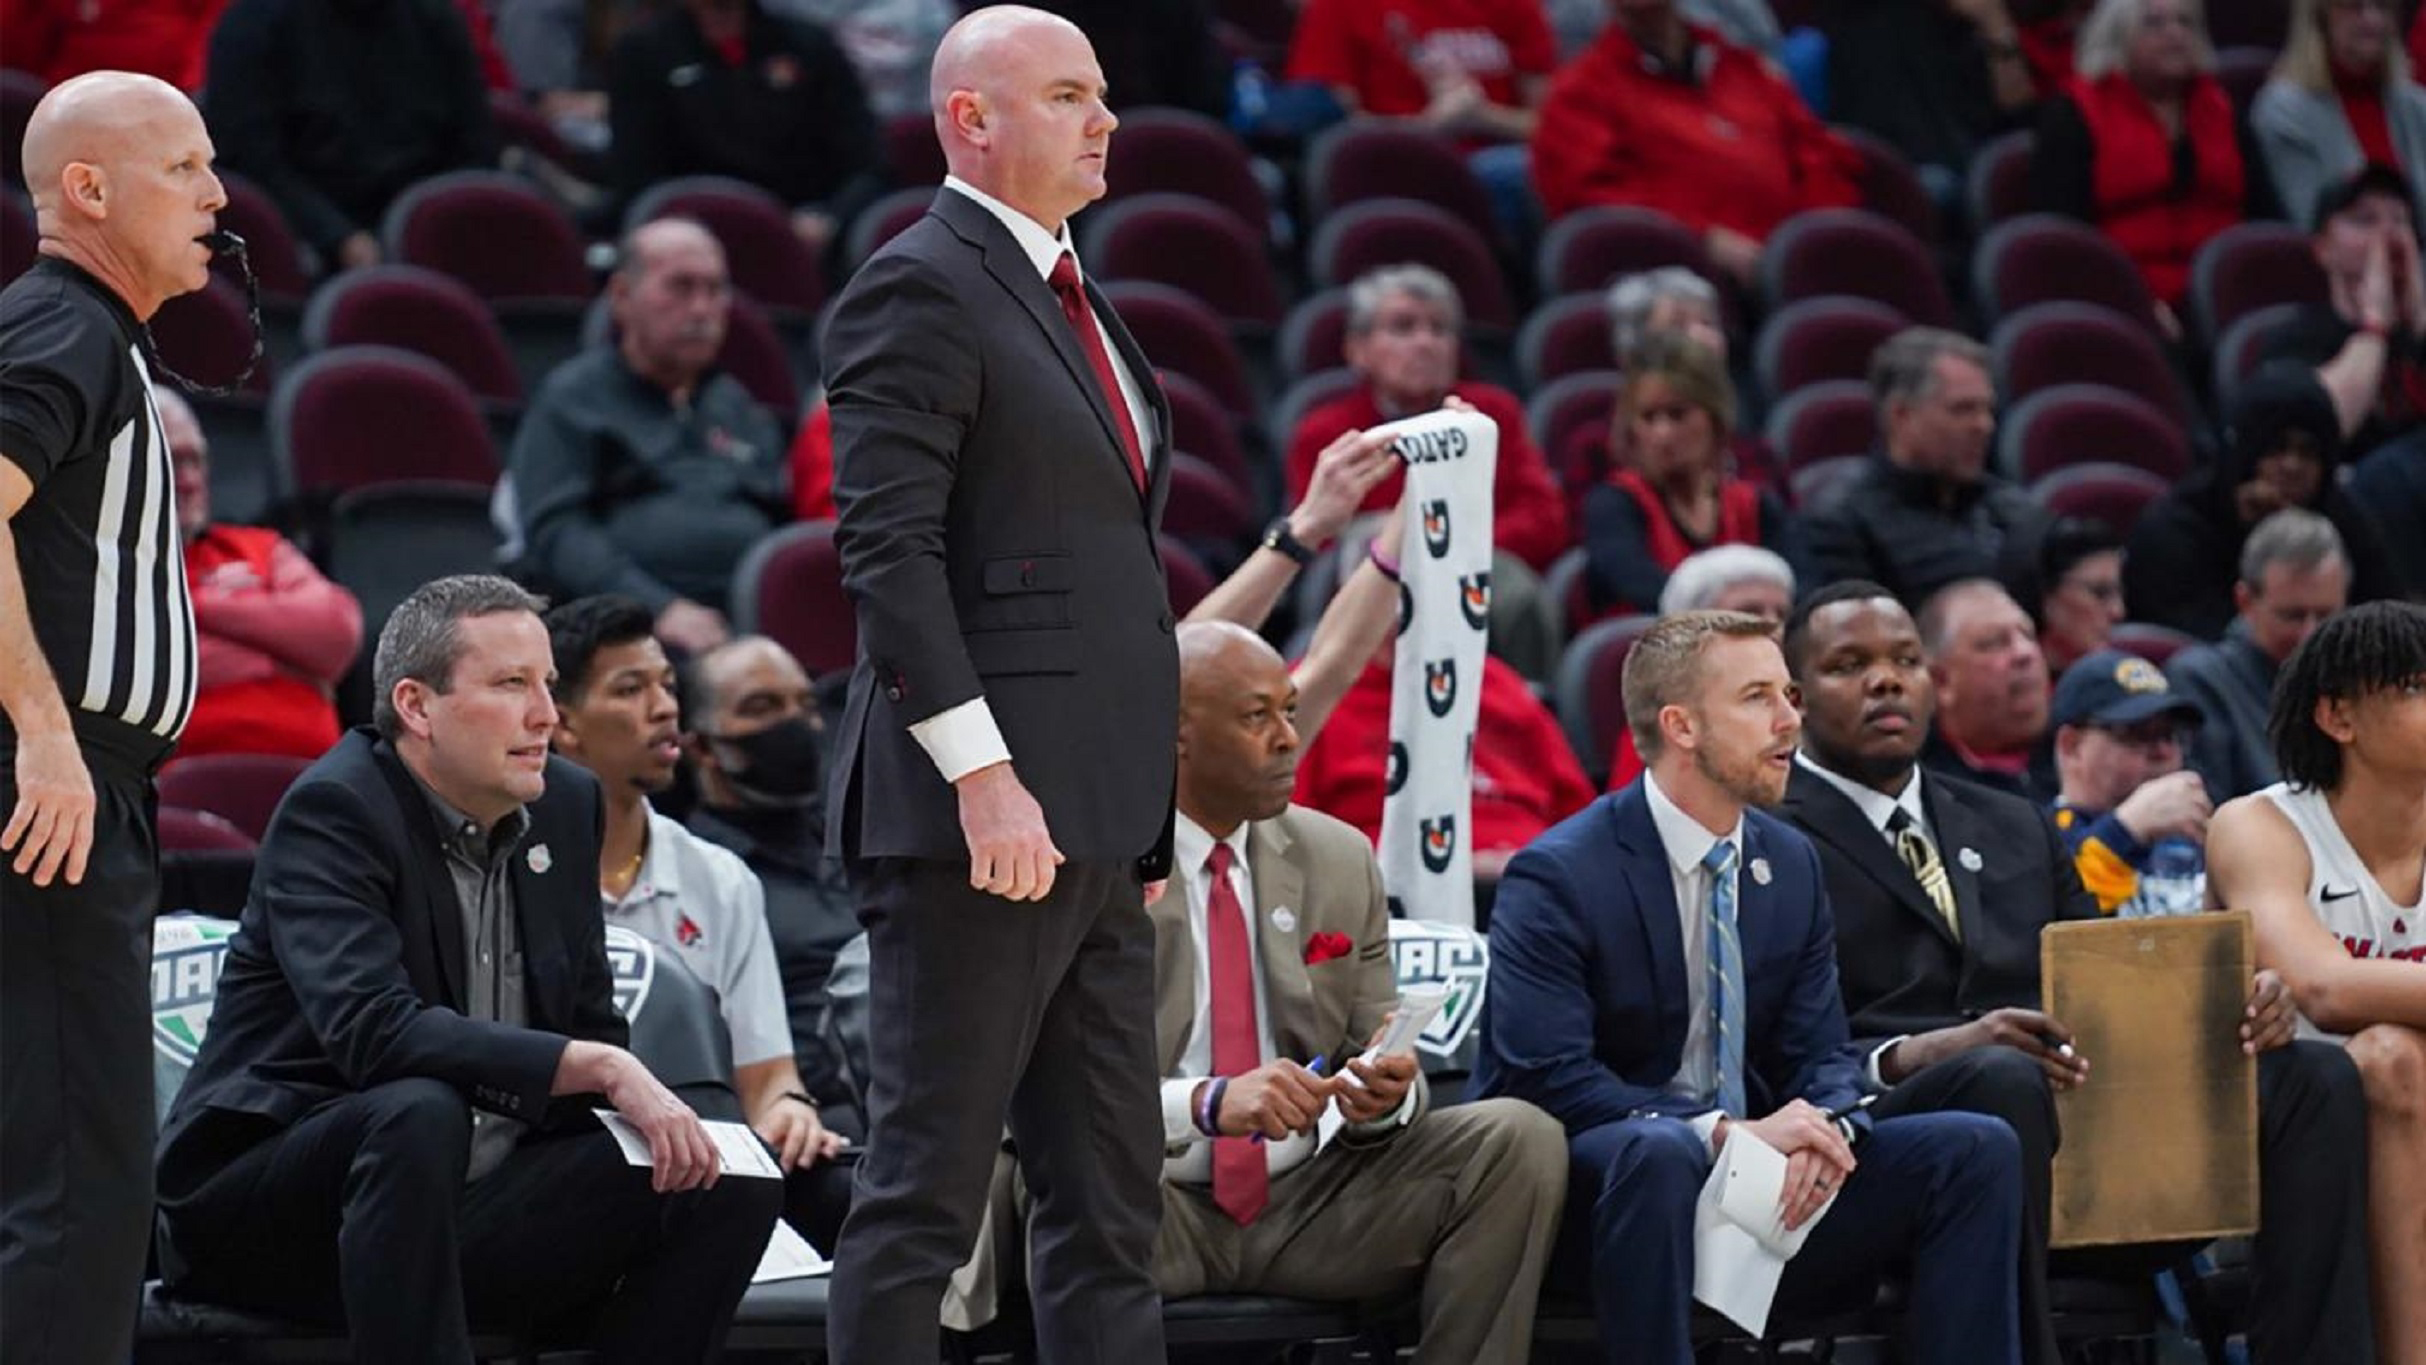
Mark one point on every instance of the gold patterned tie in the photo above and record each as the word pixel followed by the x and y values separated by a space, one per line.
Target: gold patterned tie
pixel 1913 846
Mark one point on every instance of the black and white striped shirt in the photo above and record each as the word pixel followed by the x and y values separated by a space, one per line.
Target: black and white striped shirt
pixel 97 544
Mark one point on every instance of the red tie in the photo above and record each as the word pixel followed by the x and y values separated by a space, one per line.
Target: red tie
pixel 1081 315
pixel 1242 1185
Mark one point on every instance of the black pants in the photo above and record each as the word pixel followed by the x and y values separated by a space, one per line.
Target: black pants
pixel 980 1008
pixel 2309 1274
pixel 75 1085
pixel 359 1214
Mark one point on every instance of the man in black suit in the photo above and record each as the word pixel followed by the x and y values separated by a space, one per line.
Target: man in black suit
pixel 1010 729
pixel 1940 888
pixel 389 1121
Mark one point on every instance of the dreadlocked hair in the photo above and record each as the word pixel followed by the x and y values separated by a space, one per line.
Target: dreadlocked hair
pixel 2355 653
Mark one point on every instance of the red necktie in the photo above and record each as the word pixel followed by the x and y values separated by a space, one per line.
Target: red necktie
pixel 1242 1184
pixel 1081 315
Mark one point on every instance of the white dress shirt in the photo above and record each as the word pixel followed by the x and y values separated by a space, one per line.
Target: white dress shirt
pixel 1191 846
pixel 961 739
pixel 1878 808
pixel 1687 842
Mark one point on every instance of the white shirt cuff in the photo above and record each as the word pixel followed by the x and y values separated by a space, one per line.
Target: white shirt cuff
pixel 1179 1111
pixel 1705 1127
pixel 962 739
pixel 1870 1074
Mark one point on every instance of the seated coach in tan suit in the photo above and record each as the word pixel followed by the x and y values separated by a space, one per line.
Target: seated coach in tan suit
pixel 1272 951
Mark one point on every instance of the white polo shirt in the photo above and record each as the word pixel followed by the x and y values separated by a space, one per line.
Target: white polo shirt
pixel 701 902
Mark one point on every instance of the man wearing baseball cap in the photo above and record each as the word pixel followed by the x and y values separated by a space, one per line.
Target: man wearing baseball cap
pixel 2135 817
pixel 2366 342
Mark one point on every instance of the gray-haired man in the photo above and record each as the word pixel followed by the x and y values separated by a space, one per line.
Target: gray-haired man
pixel 2294 574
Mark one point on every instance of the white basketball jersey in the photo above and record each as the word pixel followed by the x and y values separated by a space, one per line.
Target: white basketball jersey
pixel 2344 895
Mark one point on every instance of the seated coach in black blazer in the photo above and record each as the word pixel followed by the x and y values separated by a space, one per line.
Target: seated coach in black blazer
pixel 1940 888
pixel 389 1123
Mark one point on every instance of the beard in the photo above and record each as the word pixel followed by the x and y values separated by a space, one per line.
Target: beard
pixel 1750 779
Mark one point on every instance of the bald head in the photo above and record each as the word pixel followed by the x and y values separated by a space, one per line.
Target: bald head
pixel 1019 108
pixel 1237 727
pixel 672 298
pixel 120 169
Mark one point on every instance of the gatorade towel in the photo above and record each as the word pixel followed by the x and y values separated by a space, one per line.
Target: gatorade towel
pixel 1444 611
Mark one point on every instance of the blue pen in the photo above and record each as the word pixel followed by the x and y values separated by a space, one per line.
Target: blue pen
pixel 1314 1067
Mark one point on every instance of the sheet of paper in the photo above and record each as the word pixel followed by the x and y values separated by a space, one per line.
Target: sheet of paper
pixel 789 1257
pixel 1416 1006
pixel 738 1150
pixel 1740 1242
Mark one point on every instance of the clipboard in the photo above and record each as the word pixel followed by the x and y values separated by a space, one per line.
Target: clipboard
pixel 2162 1143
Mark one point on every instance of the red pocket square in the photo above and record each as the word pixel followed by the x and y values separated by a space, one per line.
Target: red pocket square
pixel 1323 947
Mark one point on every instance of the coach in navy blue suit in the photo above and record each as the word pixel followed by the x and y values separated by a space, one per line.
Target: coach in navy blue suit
pixel 1663 970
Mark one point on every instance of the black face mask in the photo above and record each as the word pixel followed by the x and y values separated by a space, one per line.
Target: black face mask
pixel 780 765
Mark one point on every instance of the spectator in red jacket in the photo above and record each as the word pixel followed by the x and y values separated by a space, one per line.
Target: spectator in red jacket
pixel 273 635
pixel 1669 492
pixel 1660 114
pixel 2144 143
pixel 1526 779
pixel 57 39
pixel 1474 68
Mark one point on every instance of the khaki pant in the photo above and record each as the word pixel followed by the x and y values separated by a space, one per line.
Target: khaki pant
pixel 1464 1201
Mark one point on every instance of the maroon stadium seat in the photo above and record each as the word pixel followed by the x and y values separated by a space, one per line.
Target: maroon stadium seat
pixel 1857 252
pixel 2038 257
pixel 1311 337
pixel 911 150
pixel 754 353
pixel 789 588
pixel 2048 344
pixel 2072 424
pixel 269 243
pixel 2157 644
pixel 1188 578
pixel 881 222
pixel 1996 185
pixel 416 310
pixel 1202 427
pixel 1179 331
pixel 17 234
pixel 1888 186
pixel 1205 506
pixel 1189 244
pixel 1179 151
pixel 1557 408
pixel 2115 494
pixel 1592 247
pixel 242 789
pixel 1820 339
pixel 1590 704
pixel 199 831
pixel 2249 266
pixel 1323 386
pixel 1565 336
pixel 206 336
pixel 2243 344
pixel 767 259
pixel 356 416
pixel 492 231
pixel 20 91
pixel 1823 421
pixel 1380 232
pixel 1360 159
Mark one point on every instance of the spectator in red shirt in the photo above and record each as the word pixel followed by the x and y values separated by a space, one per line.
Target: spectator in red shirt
pixel 1669 493
pixel 1526 779
pixel 1403 328
pixel 272 634
pixel 2341 99
pixel 1661 114
pixel 57 39
pixel 1474 68
pixel 2144 144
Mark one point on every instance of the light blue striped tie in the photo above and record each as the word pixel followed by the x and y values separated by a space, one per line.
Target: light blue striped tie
pixel 1726 978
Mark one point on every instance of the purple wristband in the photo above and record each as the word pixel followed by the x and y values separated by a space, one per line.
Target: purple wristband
pixel 1208 1113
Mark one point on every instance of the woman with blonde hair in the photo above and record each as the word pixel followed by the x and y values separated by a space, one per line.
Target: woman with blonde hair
pixel 1670 491
pixel 2341 98
pixel 2143 143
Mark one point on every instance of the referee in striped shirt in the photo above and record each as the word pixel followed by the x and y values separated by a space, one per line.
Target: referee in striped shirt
pixel 96 679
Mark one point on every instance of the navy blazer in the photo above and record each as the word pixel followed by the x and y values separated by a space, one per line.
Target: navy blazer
pixel 1587 1013
pixel 347 967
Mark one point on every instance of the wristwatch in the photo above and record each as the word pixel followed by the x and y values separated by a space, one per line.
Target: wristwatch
pixel 1277 537
pixel 800 1095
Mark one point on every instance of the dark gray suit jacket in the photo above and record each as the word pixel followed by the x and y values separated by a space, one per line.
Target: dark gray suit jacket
pixel 995 544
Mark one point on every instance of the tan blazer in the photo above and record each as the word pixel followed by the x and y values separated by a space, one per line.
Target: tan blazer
pixel 1321 872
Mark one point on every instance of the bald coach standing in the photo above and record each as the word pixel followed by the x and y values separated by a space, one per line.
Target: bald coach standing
pixel 96 680
pixel 1003 770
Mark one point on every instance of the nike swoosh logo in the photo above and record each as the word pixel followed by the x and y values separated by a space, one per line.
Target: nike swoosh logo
pixel 2332 895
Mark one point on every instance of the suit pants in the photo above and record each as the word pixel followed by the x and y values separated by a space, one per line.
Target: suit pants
pixel 980 1008
pixel 2309 1303
pixel 358 1213
pixel 1939 1193
pixel 75 1084
pixel 1464 1201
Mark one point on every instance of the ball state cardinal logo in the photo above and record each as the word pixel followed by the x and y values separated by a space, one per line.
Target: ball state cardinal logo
pixel 1474 599
pixel 1440 841
pixel 1398 767
pixel 1436 528
pixel 1440 685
